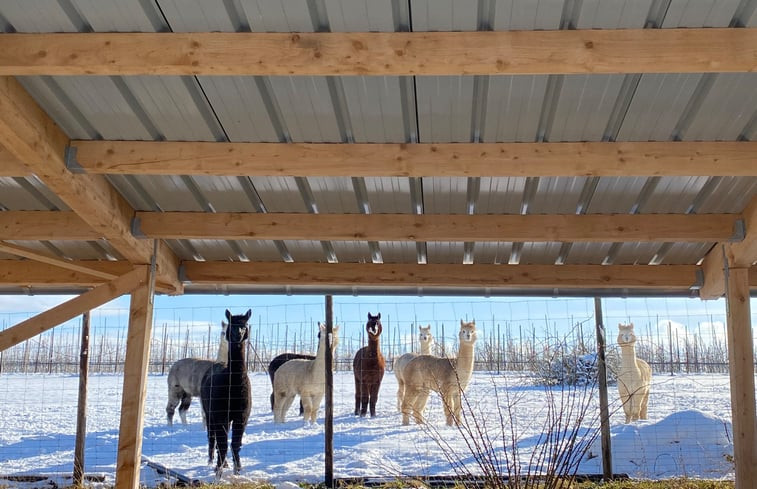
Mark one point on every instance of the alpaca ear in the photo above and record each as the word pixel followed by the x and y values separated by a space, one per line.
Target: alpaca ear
pixel 228 315
pixel 247 316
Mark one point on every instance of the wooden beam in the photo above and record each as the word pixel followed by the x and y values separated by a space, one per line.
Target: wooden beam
pixel 27 273
pixel 55 261
pixel 436 227
pixel 45 225
pixel 741 363
pixel 29 134
pixel 135 384
pixel 10 166
pixel 741 253
pixel 68 310
pixel 680 277
pixel 689 158
pixel 710 50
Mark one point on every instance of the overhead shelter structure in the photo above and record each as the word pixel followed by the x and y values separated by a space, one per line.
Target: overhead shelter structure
pixel 488 147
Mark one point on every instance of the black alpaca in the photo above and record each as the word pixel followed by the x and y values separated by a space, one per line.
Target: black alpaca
pixel 280 360
pixel 225 396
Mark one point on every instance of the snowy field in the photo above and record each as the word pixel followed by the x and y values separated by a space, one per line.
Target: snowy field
pixel 688 433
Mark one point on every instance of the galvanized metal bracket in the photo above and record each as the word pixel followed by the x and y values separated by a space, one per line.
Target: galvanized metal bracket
pixel 182 273
pixel 739 231
pixel 136 228
pixel 698 279
pixel 72 164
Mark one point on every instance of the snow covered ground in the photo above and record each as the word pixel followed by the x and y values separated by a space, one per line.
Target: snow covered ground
pixel 688 433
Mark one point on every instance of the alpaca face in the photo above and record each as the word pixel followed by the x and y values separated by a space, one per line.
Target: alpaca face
pixel 424 335
pixel 373 326
pixel 626 335
pixel 467 332
pixel 237 330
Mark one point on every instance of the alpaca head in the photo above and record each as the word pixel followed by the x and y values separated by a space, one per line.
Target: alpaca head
pixel 237 330
pixel 424 334
pixel 467 332
pixel 334 335
pixel 373 326
pixel 626 335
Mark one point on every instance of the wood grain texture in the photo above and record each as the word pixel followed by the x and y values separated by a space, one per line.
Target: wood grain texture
pixel 707 50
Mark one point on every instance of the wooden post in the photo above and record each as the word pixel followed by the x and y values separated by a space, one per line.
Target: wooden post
pixel 329 421
pixel 81 413
pixel 135 385
pixel 741 360
pixel 604 412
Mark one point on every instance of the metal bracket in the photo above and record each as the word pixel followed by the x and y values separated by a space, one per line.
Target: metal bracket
pixel 182 273
pixel 72 164
pixel 136 228
pixel 698 280
pixel 739 231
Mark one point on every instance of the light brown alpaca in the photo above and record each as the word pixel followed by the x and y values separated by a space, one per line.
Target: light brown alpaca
pixel 634 377
pixel 447 376
pixel 425 339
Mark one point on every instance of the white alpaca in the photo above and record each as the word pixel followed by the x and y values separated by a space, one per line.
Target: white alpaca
pixel 304 378
pixel 426 340
pixel 447 376
pixel 634 377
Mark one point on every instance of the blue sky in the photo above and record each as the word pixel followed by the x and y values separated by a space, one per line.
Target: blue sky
pixel 276 317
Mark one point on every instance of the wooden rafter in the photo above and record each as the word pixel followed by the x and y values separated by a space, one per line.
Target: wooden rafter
pixel 680 277
pixel 28 273
pixel 378 53
pixel 68 310
pixel 51 260
pixel 45 225
pixel 688 158
pixel 33 138
pixel 436 227
pixel 10 166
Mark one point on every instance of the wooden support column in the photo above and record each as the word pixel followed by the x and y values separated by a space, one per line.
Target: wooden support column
pixel 741 360
pixel 135 385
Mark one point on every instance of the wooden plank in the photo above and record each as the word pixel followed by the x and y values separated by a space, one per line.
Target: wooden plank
pixel 81 406
pixel 741 363
pixel 27 273
pixel 135 384
pixel 436 227
pixel 30 135
pixel 679 277
pixel 744 253
pixel 45 225
pixel 10 166
pixel 689 158
pixel 72 308
pixel 710 50
pixel 51 260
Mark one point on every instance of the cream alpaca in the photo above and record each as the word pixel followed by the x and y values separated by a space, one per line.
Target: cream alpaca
pixel 447 376
pixel 634 377
pixel 426 340
pixel 305 378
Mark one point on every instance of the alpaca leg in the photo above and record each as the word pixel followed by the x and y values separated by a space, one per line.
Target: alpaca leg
pixel 211 444
pixel 173 400
pixel 236 444
pixel 400 393
pixel 644 404
pixel 452 407
pixel 358 396
pixel 272 403
pixel 186 400
pixel 419 404
pixel 222 446
pixel 306 404
pixel 407 404
pixel 374 398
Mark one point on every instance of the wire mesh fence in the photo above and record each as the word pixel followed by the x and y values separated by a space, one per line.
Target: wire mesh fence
pixel 530 356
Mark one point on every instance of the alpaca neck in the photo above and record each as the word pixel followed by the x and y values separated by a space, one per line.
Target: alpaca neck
pixel 464 362
pixel 373 344
pixel 425 347
pixel 320 356
pixel 236 361
pixel 628 355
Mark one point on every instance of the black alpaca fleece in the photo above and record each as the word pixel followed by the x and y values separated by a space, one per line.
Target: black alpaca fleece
pixel 225 396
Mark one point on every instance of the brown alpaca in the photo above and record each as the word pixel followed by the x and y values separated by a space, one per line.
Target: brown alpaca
pixel 425 338
pixel 447 376
pixel 634 377
pixel 368 367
